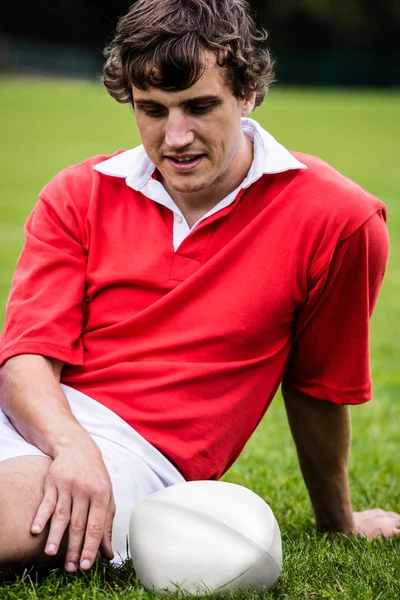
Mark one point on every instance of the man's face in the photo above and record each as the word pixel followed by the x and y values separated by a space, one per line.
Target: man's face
pixel 194 137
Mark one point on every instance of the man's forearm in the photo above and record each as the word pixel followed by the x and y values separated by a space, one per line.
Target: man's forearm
pixel 77 491
pixel 322 434
pixel 31 396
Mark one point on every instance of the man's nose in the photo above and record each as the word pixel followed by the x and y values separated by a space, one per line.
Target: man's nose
pixel 179 132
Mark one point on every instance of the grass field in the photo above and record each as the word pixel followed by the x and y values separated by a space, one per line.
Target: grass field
pixel 46 125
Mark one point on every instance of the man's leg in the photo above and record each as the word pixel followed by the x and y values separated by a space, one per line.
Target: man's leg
pixel 21 491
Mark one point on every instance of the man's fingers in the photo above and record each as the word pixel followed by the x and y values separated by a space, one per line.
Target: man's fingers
pixel 45 510
pixel 395 516
pixel 106 545
pixel 94 530
pixel 76 533
pixel 59 523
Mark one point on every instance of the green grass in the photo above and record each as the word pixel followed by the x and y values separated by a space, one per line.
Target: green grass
pixel 46 125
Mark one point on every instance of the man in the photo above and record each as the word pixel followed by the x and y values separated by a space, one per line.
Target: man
pixel 170 289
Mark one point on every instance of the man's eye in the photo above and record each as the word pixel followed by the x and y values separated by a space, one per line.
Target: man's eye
pixel 201 108
pixel 153 112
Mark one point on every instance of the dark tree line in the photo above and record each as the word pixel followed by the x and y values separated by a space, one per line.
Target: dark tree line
pixel 327 24
pixel 347 41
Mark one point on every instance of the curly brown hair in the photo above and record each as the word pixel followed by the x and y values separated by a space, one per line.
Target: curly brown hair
pixel 162 43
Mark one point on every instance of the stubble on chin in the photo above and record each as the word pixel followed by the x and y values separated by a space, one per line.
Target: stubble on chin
pixel 184 187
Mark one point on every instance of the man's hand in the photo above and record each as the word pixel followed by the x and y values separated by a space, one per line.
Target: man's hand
pixel 376 523
pixel 78 499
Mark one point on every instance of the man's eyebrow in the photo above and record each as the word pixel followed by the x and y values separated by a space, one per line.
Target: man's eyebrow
pixel 211 98
pixel 203 99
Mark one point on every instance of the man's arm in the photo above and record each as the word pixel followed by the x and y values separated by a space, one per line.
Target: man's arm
pixel 78 491
pixel 322 434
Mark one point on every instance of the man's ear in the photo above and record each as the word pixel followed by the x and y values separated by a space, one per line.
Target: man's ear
pixel 248 104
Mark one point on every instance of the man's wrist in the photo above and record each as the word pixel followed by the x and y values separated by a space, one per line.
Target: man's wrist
pixel 60 439
pixel 341 521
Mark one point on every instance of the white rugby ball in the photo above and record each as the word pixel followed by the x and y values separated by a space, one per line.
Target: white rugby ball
pixel 203 537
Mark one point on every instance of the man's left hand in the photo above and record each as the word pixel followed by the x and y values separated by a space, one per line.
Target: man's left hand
pixel 376 523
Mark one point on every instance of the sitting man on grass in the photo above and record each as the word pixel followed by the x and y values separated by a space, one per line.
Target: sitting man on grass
pixel 164 293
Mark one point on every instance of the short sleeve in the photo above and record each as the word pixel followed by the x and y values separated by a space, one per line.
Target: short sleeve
pixel 44 311
pixel 330 358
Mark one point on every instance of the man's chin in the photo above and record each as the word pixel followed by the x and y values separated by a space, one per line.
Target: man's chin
pixel 185 184
pixel 188 189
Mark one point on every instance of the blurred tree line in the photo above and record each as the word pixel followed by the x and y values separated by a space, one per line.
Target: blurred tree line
pixel 313 41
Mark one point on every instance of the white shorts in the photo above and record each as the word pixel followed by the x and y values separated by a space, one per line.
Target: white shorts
pixel 136 468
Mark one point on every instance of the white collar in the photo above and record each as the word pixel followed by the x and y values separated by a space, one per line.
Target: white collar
pixel 269 157
pixel 137 169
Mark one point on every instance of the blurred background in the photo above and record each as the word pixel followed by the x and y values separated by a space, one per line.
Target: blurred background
pixel 328 42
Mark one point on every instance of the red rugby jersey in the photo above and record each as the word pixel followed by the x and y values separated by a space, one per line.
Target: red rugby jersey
pixel 189 347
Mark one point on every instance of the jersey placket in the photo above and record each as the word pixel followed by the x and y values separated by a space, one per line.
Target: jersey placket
pixel 191 253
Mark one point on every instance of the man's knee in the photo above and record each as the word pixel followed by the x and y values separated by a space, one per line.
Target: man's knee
pixel 21 490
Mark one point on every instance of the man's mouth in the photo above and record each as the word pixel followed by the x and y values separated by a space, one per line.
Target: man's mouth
pixel 185 160
pixel 184 164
